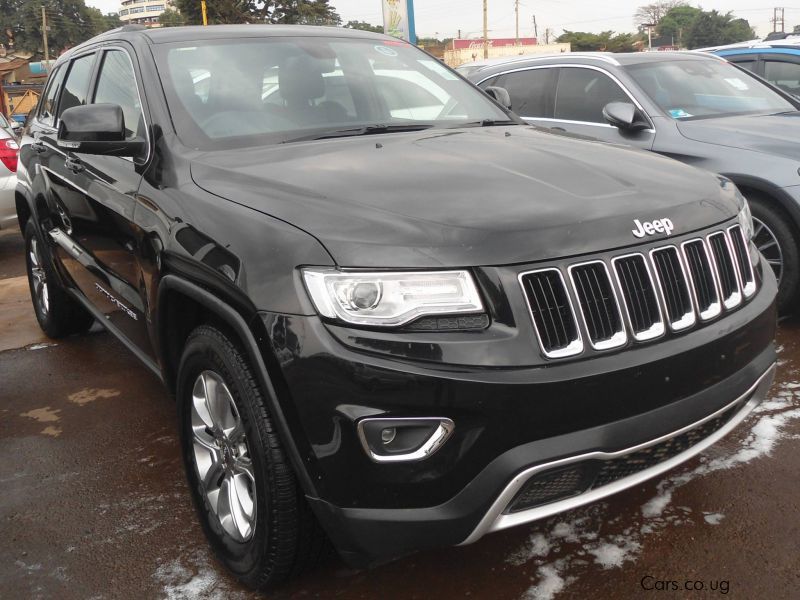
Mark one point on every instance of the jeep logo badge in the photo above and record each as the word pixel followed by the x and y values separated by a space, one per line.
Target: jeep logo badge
pixel 652 227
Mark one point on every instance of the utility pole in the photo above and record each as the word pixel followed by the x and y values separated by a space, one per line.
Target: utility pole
pixel 44 39
pixel 516 11
pixel 776 19
pixel 535 30
pixel 205 16
pixel 485 29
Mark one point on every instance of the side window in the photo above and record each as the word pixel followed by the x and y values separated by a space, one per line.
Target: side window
pixel 76 88
pixel 529 91
pixel 116 84
pixel 785 75
pixel 47 109
pixel 582 93
pixel 745 63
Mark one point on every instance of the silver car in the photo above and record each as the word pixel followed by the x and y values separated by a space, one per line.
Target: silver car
pixel 9 151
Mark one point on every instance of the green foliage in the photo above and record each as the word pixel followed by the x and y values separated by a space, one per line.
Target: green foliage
pixel 676 22
pixel 364 26
pixel 606 41
pixel 171 18
pixel 304 12
pixel 714 29
pixel 69 22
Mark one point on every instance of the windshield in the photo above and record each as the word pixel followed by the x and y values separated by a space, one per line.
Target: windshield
pixel 695 89
pixel 246 92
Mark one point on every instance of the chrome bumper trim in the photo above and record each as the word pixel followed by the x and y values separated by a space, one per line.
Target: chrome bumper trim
pixel 495 519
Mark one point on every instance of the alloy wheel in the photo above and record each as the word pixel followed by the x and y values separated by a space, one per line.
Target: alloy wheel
pixel 222 457
pixel 40 288
pixel 768 245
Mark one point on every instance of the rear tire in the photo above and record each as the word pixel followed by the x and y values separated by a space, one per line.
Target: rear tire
pixel 271 534
pixel 775 237
pixel 58 313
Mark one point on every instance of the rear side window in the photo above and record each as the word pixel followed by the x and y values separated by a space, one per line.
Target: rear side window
pixel 76 87
pixel 116 84
pixel 746 63
pixel 582 93
pixel 785 75
pixel 529 91
pixel 47 110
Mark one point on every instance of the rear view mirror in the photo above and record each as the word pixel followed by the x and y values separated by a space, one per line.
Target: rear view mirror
pixel 97 129
pixel 500 95
pixel 625 116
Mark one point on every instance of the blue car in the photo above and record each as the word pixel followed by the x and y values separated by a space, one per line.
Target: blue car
pixel 776 60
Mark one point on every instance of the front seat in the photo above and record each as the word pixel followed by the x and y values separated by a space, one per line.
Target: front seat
pixel 301 84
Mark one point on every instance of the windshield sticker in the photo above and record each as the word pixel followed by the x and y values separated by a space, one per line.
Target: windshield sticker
pixel 386 51
pixel 438 68
pixel 678 113
pixel 737 83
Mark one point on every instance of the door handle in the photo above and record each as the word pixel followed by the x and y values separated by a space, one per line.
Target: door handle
pixel 74 164
pixel 38 147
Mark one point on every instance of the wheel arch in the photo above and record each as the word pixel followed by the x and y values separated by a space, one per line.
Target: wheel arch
pixel 747 183
pixel 182 306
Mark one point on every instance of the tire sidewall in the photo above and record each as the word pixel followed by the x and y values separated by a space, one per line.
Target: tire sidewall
pixel 31 234
pixel 204 353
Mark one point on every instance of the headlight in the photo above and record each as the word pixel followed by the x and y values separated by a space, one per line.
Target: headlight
pixel 390 299
pixel 746 221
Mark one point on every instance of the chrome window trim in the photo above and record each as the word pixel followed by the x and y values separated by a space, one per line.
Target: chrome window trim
pixel 567 65
pixel 495 519
pixel 716 307
pixel 575 347
pixel 620 338
pixel 437 439
pixel 748 287
pixel 658 329
pixel 689 318
pixel 735 299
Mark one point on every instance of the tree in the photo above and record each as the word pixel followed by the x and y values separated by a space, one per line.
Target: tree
pixel 653 13
pixel 606 41
pixel 304 12
pixel 219 11
pixel 796 29
pixel 676 22
pixel 714 29
pixel 364 26
pixel 171 18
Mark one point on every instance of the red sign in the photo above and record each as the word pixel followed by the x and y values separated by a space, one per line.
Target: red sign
pixel 493 43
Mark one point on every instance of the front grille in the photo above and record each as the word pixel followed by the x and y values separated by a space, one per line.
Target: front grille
pixel 579 477
pixel 639 296
pixel 726 271
pixel 669 285
pixel 553 317
pixel 674 287
pixel 598 304
pixel 746 276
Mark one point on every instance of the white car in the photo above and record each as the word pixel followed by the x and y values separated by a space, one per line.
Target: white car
pixel 9 150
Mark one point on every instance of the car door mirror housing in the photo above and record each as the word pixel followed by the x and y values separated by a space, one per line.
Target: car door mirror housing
pixel 499 95
pixel 625 116
pixel 97 129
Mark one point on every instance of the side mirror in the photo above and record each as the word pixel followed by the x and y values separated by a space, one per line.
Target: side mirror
pixel 97 129
pixel 625 116
pixel 500 95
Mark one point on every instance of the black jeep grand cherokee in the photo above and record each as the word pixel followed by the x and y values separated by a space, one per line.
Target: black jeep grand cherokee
pixel 390 313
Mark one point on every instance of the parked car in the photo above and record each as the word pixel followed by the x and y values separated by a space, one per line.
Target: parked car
pixel 8 178
pixel 393 332
pixel 692 107
pixel 10 125
pixel 776 60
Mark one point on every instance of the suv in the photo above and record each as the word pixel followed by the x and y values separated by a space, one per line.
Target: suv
pixel 386 331
pixel 693 107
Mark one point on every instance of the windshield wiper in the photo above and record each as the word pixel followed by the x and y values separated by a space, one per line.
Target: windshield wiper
pixel 487 123
pixel 364 130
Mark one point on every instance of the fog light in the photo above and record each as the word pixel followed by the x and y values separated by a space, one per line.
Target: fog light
pixel 403 439
pixel 388 435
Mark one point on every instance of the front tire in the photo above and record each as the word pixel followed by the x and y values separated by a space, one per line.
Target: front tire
pixel 58 314
pixel 776 239
pixel 250 505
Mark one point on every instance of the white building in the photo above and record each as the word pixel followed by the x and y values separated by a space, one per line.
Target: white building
pixel 142 12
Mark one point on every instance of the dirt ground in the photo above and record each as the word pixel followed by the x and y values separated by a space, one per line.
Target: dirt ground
pixel 94 502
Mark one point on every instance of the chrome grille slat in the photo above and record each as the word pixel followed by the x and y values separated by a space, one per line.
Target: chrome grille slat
pixel 667 286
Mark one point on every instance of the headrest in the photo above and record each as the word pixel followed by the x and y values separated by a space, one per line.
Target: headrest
pixel 300 80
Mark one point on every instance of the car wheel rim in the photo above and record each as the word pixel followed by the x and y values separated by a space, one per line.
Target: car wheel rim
pixel 41 290
pixel 768 245
pixel 222 457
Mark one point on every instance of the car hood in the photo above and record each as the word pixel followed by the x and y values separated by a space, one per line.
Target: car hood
pixel 771 134
pixel 476 196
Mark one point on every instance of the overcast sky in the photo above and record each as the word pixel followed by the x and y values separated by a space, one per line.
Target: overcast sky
pixel 443 18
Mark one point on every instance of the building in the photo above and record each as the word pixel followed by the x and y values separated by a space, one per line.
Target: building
pixel 142 12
